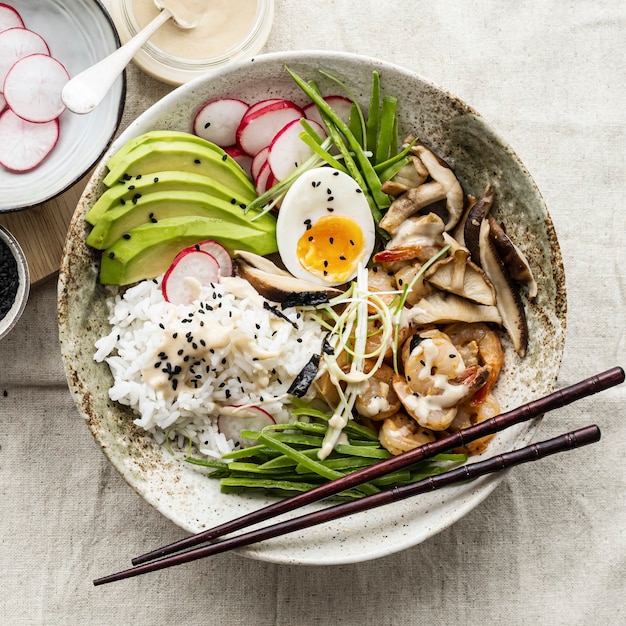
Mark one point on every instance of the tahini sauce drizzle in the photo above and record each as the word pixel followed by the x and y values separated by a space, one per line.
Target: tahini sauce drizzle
pixel 220 25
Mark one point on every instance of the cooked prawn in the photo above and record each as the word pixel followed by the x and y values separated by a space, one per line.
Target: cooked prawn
pixel 469 415
pixel 400 433
pixel 479 346
pixel 377 398
pixel 435 380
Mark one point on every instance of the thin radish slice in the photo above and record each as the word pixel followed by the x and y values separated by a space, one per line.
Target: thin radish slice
pixel 9 17
pixel 287 151
pixel 265 180
pixel 257 130
pixel 234 419
pixel 253 108
pixel 190 270
pixel 3 103
pixel 258 161
pixel 219 253
pixel 340 104
pixel 15 44
pixel 217 121
pixel 244 160
pixel 24 145
pixel 33 87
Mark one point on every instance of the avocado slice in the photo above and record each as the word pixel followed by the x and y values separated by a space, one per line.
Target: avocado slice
pixel 157 139
pixel 181 155
pixel 150 248
pixel 159 205
pixel 136 188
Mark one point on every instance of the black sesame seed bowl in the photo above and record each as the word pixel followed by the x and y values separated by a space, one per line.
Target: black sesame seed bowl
pixel 14 281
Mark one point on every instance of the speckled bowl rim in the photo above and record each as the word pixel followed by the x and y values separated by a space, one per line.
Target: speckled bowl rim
pixel 8 322
pixel 160 480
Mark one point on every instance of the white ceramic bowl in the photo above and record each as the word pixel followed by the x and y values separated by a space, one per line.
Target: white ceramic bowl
pixel 79 33
pixel 477 155
pixel 14 312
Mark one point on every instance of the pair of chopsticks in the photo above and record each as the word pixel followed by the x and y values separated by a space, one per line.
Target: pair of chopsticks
pixel 175 554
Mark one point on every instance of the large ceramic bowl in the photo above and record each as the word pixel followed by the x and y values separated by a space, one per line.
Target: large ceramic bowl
pixel 478 155
pixel 79 33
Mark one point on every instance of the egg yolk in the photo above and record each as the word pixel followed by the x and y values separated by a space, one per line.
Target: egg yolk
pixel 331 248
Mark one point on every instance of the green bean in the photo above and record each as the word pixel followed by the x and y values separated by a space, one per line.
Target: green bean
pixel 386 139
pixel 373 114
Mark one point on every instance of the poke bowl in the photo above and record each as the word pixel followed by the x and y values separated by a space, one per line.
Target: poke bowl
pixel 154 460
pixel 45 147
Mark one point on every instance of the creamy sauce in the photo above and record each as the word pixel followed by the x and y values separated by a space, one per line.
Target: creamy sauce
pixel 219 25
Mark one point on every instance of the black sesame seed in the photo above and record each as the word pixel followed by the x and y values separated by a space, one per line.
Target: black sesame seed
pixel 156 179
pixel 335 173
pixel 127 177
pixel 111 255
pixel 342 258
pixel 233 200
pixel 126 235
pixel 359 190
pixel 227 393
pixel 196 160
pixel 157 364
pixel 332 240
pixel 330 198
pixel 138 177
pixel 311 238
pixel 207 124
pixel 122 201
pixel 351 242
pixel 131 187
pixel 224 157
pixel 180 352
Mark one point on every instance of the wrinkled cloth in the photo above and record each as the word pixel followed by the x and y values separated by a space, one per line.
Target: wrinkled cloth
pixel 549 545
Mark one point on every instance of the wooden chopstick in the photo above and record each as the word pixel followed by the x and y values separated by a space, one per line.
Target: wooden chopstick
pixel 555 400
pixel 532 452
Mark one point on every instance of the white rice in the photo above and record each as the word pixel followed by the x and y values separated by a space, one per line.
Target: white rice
pixel 250 356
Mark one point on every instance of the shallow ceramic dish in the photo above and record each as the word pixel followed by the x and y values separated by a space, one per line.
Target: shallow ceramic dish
pixel 23 285
pixel 477 155
pixel 79 33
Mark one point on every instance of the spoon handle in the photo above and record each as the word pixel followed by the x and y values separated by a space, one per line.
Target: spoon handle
pixel 86 90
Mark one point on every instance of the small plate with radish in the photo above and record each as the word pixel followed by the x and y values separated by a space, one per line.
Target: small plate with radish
pixel 44 149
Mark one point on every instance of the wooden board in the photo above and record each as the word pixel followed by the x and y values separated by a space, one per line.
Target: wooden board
pixel 41 231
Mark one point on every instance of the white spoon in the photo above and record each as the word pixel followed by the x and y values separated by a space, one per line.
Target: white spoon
pixel 86 90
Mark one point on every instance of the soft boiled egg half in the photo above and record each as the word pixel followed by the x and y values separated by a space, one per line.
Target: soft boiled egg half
pixel 325 227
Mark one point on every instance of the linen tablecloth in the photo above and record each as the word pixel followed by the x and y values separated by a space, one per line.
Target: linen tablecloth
pixel 549 545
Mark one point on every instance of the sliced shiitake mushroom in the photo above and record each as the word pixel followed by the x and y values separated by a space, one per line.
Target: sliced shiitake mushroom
pixel 508 300
pixel 513 258
pixel 475 217
pixel 440 308
pixel 457 274
pixel 443 186
pixel 277 285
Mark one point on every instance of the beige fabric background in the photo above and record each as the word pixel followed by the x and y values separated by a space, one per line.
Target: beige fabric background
pixel 549 546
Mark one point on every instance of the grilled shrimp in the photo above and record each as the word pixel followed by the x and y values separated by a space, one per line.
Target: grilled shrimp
pixel 479 346
pixel 435 380
pixel 469 415
pixel 400 433
pixel 377 398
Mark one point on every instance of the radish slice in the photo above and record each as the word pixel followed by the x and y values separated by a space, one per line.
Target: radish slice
pixel 24 145
pixel 232 420
pixel 287 151
pixel 15 44
pixel 33 87
pixel 190 269
pixel 9 18
pixel 219 253
pixel 340 104
pixel 257 163
pixel 3 103
pixel 244 160
pixel 265 180
pixel 258 129
pixel 253 108
pixel 217 121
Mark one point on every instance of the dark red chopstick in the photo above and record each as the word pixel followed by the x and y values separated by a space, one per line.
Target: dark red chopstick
pixel 532 452
pixel 555 400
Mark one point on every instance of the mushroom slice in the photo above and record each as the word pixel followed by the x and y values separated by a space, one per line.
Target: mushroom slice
pixel 457 274
pixel 277 285
pixel 475 217
pixel 443 186
pixel 512 257
pixel 413 174
pixel 443 308
pixel 508 300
